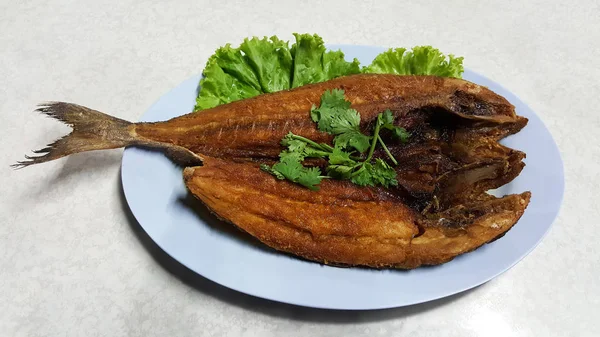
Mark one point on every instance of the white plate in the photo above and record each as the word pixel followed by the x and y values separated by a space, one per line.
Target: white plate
pixel 156 194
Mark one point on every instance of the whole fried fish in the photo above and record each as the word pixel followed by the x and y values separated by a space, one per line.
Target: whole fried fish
pixel 439 210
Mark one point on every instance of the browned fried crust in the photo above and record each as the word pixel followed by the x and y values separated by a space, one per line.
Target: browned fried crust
pixel 343 224
pixel 252 128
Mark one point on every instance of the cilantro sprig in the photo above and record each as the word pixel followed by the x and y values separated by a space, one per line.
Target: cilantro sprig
pixel 346 158
pixel 337 118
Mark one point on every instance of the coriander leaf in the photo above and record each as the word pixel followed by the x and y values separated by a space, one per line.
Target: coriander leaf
pixel 290 167
pixel 334 99
pixel 323 117
pixel 339 171
pixel 304 146
pixel 378 174
pixel 310 151
pixel 315 114
pixel 401 133
pixel 339 157
pixel 344 120
pixel 290 156
pixel 268 169
pixel 383 174
pixel 293 145
pixel 387 120
pixel 334 111
pixel 288 137
pixel 421 60
pixel 353 139
pixel 335 116
pixel 363 177
pixel 310 177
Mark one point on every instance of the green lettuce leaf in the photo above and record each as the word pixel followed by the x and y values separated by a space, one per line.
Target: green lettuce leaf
pixel 234 63
pixel 267 65
pixel 421 60
pixel 312 64
pixel 219 87
pixel 334 65
pixel 271 61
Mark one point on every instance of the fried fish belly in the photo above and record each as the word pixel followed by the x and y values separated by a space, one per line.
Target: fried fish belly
pixel 346 224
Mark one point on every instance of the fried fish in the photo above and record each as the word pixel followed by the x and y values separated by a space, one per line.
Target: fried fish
pixel 346 225
pixel 439 210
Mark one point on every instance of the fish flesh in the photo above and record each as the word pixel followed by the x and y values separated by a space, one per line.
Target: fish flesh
pixel 342 224
pixel 439 210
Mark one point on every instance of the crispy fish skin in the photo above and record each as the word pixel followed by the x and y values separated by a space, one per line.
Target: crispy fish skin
pixel 343 224
pixel 253 127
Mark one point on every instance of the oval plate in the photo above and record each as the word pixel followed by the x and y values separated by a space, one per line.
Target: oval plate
pixel 158 199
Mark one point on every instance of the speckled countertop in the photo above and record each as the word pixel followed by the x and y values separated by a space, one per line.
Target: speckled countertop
pixel 73 263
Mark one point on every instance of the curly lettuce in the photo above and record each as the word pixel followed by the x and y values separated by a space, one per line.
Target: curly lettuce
pixel 271 61
pixel 227 78
pixel 421 60
pixel 312 64
pixel 268 65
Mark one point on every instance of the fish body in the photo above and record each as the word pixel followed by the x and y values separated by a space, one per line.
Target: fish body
pixel 439 210
pixel 252 128
pixel 345 225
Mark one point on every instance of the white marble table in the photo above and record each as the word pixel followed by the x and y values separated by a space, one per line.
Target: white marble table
pixel 72 263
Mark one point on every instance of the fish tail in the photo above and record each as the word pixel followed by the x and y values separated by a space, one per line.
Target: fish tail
pixel 92 130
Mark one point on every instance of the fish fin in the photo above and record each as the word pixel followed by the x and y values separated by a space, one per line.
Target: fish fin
pixel 92 130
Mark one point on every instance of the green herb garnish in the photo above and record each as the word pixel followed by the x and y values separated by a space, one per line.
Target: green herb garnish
pixel 335 116
pixel 346 158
